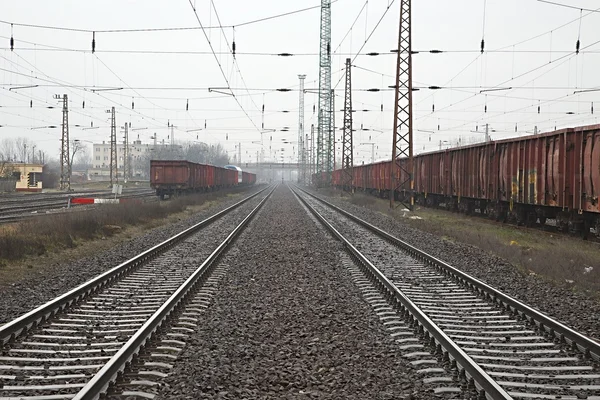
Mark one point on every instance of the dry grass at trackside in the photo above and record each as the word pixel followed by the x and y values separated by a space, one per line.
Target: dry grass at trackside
pixel 565 260
pixel 53 233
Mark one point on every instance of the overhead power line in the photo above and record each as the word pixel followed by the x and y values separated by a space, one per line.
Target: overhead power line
pixel 567 6
pixel 221 67
pixel 181 28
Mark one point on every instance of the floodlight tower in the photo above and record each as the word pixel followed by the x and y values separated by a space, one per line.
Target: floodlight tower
pixel 401 177
pixel 324 135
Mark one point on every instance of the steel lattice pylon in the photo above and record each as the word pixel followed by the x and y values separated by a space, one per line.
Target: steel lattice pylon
pixel 301 144
pixel 126 161
pixel 347 159
pixel 324 134
pixel 401 176
pixel 114 178
pixel 65 165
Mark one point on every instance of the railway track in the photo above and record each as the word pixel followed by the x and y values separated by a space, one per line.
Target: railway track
pixel 76 345
pixel 498 346
pixel 24 208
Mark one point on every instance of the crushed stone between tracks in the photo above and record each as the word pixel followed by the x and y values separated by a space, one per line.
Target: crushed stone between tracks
pixel 576 310
pixel 45 284
pixel 288 323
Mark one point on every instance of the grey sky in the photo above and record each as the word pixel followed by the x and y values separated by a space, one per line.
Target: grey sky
pixel 437 24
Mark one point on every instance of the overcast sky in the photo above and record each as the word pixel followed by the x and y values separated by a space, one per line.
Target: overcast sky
pixel 160 80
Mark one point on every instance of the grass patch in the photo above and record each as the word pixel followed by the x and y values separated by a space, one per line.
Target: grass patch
pixel 53 233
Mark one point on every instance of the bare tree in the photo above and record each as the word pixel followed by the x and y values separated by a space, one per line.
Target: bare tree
pixel 22 146
pixel 15 149
pixel 7 150
pixel 6 169
pixel 201 153
pixel 80 157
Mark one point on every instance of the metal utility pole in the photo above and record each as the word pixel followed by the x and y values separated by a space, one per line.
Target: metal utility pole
pixel 347 159
pixel 126 163
pixel 240 153
pixel 324 142
pixel 114 177
pixel 65 166
pixel 301 145
pixel 331 138
pixel 313 167
pixel 401 177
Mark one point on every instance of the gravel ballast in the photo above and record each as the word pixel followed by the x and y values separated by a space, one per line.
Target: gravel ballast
pixel 288 322
pixel 576 310
pixel 46 283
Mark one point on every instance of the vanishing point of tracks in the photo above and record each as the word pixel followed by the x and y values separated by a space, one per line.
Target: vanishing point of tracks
pixel 487 342
pixel 76 345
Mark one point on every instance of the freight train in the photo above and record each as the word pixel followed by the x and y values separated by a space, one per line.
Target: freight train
pixel 527 180
pixel 175 177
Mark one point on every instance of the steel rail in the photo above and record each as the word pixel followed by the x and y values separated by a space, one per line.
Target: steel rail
pixel 584 344
pixel 34 318
pixel 487 384
pixel 100 383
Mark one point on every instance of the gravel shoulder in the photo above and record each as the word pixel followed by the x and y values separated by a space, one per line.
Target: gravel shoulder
pixel 288 323
pixel 575 309
pixel 51 275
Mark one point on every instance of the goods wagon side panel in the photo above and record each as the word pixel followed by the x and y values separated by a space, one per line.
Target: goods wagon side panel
pixel 359 181
pixel 527 167
pixel 211 175
pixel 503 178
pixel 482 172
pixel 541 173
pixel 167 173
pixel 591 171
pixel 515 171
pixel 576 165
pixel 474 170
pixel 422 171
pixel 494 180
pixel 552 172
pixel 453 173
pixel 444 174
pixel 429 177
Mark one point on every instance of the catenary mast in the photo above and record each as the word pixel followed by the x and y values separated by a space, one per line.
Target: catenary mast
pixel 324 134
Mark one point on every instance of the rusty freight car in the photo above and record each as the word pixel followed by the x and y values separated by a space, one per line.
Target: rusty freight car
pixel 174 177
pixel 528 179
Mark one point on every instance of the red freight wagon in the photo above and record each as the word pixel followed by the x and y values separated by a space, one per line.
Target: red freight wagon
pixel 169 177
pixel 248 178
pixel 553 175
pixel 172 177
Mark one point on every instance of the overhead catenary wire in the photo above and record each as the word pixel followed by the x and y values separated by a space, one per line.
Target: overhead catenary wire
pixel 163 29
pixel 220 66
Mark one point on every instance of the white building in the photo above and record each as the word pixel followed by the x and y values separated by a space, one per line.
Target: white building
pixel 137 151
pixel 101 157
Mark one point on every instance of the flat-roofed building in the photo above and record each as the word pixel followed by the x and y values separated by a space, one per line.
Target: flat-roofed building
pixel 28 176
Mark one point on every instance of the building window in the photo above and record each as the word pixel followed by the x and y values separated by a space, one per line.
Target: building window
pixel 97 158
